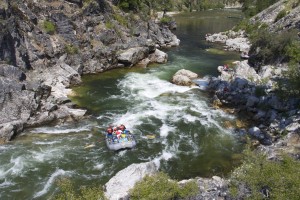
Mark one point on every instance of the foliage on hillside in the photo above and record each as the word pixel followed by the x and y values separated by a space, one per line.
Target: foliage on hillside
pixel 168 5
pixel 160 186
pixel 264 178
pixel 251 8
pixel 67 191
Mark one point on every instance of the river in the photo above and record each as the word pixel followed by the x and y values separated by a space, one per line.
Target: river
pixel 191 136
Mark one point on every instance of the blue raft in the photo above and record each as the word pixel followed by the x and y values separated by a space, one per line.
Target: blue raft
pixel 126 142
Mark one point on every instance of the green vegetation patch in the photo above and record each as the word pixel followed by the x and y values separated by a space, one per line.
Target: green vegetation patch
pixel 265 178
pixel 71 49
pixel 68 192
pixel 251 8
pixel 49 27
pixel 216 51
pixel 109 25
pixel 165 20
pixel 160 186
pixel 281 15
pixel 122 20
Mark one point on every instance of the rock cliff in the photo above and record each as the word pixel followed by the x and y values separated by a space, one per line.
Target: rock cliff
pixel 47 45
pixel 280 16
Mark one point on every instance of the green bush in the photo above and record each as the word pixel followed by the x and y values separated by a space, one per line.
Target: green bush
pixel 161 187
pixel 121 19
pixel 109 25
pixel 165 20
pixel 49 27
pixel 291 87
pixel 129 5
pixel 281 15
pixel 208 4
pixel 251 8
pixel 271 48
pixel 68 192
pixel 280 179
pixel 292 51
pixel 71 49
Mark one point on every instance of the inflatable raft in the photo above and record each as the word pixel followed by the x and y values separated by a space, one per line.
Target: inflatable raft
pixel 127 141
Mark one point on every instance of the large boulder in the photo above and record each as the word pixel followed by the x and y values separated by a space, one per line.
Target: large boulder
pixel 158 57
pixel 132 56
pixel 9 130
pixel 119 186
pixel 184 77
pixel 243 70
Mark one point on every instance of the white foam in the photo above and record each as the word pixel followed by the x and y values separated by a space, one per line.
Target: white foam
pixel 57 173
pixel 148 85
pixel 122 153
pixel 164 156
pixel 46 154
pixel 99 166
pixel 45 143
pixel 165 130
pixel 60 130
pixel 6 184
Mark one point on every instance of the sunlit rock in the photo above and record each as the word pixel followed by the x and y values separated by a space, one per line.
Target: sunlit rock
pixel 184 77
pixel 117 188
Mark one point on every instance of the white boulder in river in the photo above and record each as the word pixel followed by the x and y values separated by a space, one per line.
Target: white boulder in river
pixel 119 185
pixel 184 77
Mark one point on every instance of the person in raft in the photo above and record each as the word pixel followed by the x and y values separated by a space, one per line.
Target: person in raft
pixel 109 131
pixel 225 67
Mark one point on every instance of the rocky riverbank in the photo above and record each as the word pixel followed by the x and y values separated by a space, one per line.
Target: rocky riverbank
pixel 254 91
pixel 47 46
pixel 234 41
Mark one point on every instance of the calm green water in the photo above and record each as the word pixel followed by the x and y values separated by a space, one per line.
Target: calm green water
pixel 191 139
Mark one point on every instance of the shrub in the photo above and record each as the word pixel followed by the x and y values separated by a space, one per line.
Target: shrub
pixel 278 179
pixel 190 189
pixel 121 19
pixel 128 5
pixel 270 48
pixel 281 15
pixel 71 49
pixel 67 191
pixel 291 86
pixel 160 186
pixel 165 20
pixel 109 25
pixel 49 27
pixel 292 50
pixel 251 8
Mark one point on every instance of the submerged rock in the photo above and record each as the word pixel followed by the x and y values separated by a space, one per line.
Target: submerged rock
pixel 117 187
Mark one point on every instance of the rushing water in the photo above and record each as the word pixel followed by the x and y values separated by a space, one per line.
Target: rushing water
pixel 191 139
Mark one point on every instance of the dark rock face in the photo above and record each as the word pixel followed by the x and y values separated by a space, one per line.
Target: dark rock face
pixel 269 16
pixel 242 89
pixel 78 2
pixel 39 61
